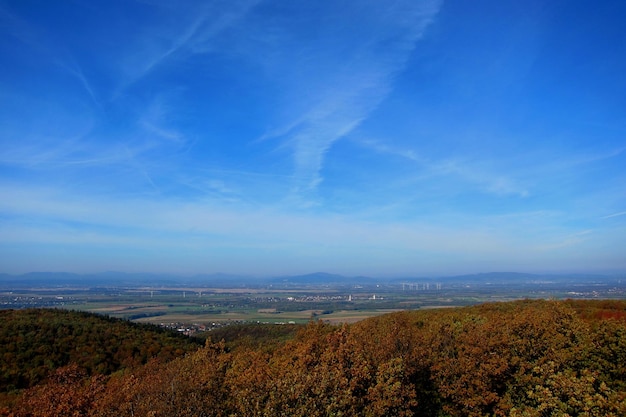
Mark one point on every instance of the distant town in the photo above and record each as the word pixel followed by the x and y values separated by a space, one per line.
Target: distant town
pixel 197 304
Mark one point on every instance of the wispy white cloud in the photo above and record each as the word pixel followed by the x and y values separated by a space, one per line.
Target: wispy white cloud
pixel 17 28
pixel 140 168
pixel 136 217
pixel 351 79
pixel 561 242
pixel 180 31
pixel 162 132
pixel 494 183
pixel 384 148
pixel 465 170
pixel 74 69
pixel 157 117
pixel 157 55
pixel 196 229
pixel 621 213
pixel 264 224
pixel 39 41
pixel 37 133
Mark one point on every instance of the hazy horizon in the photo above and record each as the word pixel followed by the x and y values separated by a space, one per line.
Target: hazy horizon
pixel 322 275
pixel 256 137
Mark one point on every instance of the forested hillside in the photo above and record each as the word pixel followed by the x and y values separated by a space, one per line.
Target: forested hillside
pixel 527 358
pixel 35 342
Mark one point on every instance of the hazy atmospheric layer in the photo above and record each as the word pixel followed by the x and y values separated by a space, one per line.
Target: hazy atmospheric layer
pixel 272 137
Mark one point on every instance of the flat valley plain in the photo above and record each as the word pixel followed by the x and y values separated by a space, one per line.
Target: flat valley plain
pixel 197 307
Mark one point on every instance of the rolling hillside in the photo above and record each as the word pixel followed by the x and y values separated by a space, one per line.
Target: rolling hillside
pixel 35 342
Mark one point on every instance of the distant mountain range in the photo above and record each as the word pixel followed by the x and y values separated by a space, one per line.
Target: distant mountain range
pixel 65 279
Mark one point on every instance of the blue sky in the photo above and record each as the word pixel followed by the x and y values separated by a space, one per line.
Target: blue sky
pixel 271 137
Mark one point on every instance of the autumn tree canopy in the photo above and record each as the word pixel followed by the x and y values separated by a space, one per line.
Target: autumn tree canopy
pixel 526 358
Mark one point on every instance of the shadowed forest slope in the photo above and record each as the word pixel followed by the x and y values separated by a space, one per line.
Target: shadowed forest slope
pixel 35 342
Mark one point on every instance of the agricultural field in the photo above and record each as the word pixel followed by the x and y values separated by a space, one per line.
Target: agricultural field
pixel 196 308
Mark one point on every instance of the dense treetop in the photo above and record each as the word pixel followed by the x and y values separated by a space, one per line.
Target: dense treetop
pixel 526 358
pixel 35 342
